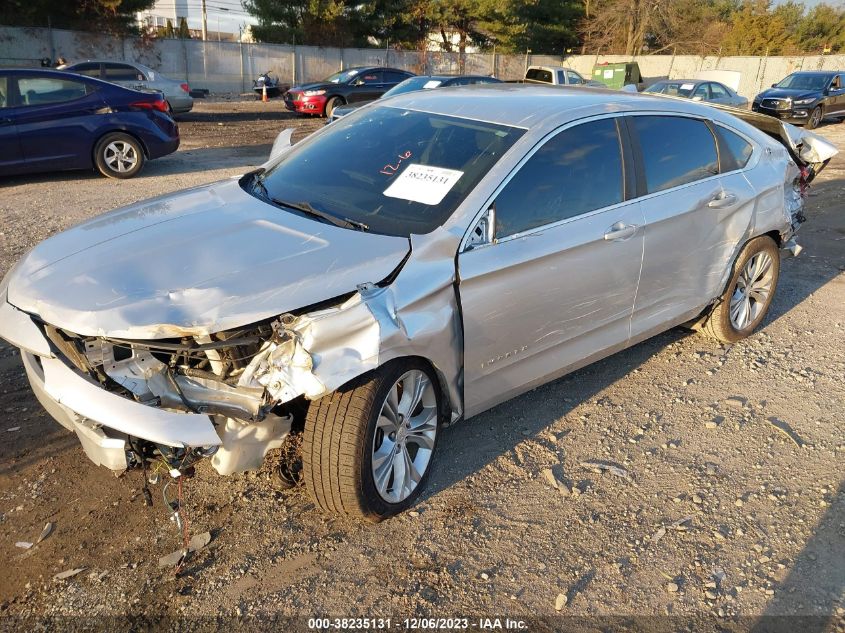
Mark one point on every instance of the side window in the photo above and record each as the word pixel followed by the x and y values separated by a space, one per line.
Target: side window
pixel 701 92
pixel 392 77
pixel 4 92
pixel 122 72
pixel 371 78
pixel 577 171
pixel 836 84
pixel 574 78
pixel 89 69
pixel 45 90
pixel 718 91
pixel 738 148
pixel 675 150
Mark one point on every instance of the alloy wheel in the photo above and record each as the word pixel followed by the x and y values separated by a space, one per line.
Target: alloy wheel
pixel 404 436
pixel 120 156
pixel 753 290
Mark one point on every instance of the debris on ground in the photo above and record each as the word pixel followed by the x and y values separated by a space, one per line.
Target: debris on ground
pixel 198 541
pixel 23 544
pixel 786 430
pixel 554 482
pixel 599 467
pixel 48 529
pixel 70 573
pixel 173 559
pixel 560 601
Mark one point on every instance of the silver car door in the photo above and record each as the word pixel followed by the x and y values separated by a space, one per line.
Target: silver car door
pixel 554 287
pixel 694 220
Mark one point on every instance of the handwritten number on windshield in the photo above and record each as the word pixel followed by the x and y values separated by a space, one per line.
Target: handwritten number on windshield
pixel 390 170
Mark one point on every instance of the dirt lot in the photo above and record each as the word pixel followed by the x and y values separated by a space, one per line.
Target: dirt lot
pixel 688 418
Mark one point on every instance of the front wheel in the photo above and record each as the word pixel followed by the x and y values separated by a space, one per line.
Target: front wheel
pixel 367 448
pixel 815 118
pixel 331 104
pixel 119 155
pixel 749 293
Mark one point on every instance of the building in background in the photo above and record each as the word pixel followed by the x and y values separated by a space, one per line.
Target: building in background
pixel 226 20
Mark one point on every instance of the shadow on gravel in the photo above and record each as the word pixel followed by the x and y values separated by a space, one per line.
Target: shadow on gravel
pixel 816 584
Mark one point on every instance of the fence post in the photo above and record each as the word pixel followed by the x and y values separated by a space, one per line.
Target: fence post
pixel 241 52
pixel 293 64
pixel 185 56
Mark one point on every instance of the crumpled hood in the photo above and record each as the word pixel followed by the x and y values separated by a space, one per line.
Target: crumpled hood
pixel 192 263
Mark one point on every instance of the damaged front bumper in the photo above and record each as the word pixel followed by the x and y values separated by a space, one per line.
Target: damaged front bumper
pixel 109 424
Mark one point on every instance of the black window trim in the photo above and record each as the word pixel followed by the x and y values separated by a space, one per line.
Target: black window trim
pixel 627 168
pixel 642 189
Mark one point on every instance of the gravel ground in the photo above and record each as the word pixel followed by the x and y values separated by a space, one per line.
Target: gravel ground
pixel 724 517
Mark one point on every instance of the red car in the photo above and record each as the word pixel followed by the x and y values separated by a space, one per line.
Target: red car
pixel 364 83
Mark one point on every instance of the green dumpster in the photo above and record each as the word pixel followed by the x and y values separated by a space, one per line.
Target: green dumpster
pixel 617 75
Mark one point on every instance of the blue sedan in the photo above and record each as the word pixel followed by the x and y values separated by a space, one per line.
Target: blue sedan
pixel 52 120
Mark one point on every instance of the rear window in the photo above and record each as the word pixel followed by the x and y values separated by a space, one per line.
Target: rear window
pixel 45 90
pixel 675 151
pixel 538 74
pixel 396 171
pixel 122 72
pixel 739 149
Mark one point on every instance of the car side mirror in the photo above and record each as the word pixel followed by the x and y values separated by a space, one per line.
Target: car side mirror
pixel 774 85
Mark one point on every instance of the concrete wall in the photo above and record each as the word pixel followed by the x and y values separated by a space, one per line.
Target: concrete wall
pixel 231 66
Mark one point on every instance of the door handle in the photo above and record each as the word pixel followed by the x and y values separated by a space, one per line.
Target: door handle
pixel 620 231
pixel 722 201
pixel 5 121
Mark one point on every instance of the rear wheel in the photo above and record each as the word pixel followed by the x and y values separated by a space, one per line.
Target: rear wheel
pixel 749 294
pixel 815 118
pixel 119 155
pixel 368 447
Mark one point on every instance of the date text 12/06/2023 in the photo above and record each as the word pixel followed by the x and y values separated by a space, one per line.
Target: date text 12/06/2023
pixel 414 624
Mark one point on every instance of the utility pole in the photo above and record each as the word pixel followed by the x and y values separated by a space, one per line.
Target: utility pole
pixel 204 22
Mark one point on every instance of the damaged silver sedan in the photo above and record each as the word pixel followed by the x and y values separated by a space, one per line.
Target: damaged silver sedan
pixel 415 263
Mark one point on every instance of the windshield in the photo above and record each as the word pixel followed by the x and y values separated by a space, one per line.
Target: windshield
pixel 389 170
pixel 342 77
pixel 414 83
pixel 804 82
pixel 673 88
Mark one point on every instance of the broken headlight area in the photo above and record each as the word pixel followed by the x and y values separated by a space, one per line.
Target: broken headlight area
pixel 242 374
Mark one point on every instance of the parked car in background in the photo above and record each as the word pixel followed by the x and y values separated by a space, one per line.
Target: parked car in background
pixel 699 90
pixel 414 264
pixel 557 76
pixel 52 120
pixel 139 77
pixel 804 97
pixel 618 75
pixel 354 85
pixel 420 82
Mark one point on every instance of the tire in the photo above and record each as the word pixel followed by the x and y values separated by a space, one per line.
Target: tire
pixel 331 104
pixel 119 155
pixel 347 431
pixel 733 317
pixel 815 118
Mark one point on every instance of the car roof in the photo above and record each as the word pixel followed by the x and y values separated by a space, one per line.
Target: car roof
pixel 527 105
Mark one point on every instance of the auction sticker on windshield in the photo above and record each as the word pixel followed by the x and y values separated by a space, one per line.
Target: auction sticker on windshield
pixel 423 183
